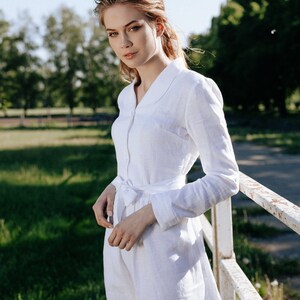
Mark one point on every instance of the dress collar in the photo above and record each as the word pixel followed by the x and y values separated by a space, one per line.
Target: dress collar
pixel 159 86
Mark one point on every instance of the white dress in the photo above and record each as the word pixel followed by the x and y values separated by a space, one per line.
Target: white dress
pixel 157 142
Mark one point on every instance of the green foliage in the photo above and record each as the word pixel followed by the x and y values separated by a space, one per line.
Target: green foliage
pixel 232 14
pixel 79 69
pixel 100 83
pixel 255 48
pixel 258 265
pixel 50 246
pixel 64 40
pixel 19 66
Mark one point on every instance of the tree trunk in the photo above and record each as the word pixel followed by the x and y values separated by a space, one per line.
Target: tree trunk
pixel 280 101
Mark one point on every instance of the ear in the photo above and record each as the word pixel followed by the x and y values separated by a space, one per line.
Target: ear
pixel 160 27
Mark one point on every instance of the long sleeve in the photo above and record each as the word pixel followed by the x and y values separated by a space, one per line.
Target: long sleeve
pixel 206 126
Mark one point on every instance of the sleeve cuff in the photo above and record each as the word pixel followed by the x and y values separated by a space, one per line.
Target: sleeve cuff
pixel 114 182
pixel 162 209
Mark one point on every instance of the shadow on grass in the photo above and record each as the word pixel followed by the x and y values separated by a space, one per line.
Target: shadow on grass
pixel 94 159
pixel 52 265
pixel 53 246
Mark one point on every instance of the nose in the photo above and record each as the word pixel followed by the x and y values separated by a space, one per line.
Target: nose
pixel 125 43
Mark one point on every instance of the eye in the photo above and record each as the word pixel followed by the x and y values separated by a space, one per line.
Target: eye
pixel 112 34
pixel 135 28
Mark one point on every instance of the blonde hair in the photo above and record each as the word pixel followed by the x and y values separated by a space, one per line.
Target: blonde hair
pixel 153 10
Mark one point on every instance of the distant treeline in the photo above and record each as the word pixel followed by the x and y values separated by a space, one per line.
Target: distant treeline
pixel 251 50
pixel 79 67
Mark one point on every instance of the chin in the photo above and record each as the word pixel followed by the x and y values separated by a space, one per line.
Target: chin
pixel 131 64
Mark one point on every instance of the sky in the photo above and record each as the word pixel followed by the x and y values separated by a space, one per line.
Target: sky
pixel 186 16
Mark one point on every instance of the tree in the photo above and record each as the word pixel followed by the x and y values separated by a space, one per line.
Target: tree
pixel 4 28
pixel 249 40
pixel 80 66
pixel 282 17
pixel 20 66
pixel 64 40
pixel 100 81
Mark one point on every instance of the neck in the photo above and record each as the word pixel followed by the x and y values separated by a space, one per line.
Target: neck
pixel 149 72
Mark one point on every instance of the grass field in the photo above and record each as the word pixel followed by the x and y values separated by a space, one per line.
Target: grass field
pixel 288 142
pixel 268 130
pixel 50 245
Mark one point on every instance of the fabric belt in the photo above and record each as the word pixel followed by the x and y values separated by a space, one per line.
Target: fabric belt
pixel 131 198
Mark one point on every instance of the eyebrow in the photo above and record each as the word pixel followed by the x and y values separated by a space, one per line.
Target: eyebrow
pixel 128 24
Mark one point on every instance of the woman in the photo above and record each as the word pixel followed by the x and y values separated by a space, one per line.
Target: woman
pixel 169 116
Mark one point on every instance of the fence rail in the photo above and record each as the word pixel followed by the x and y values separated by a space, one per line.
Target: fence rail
pixel 218 235
pixel 284 210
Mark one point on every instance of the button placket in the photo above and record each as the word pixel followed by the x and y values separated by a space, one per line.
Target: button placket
pixel 132 114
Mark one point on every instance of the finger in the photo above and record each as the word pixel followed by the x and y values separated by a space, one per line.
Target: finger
pixel 116 242
pixel 110 206
pixel 116 237
pixel 100 217
pixel 102 221
pixel 129 245
pixel 112 237
pixel 123 243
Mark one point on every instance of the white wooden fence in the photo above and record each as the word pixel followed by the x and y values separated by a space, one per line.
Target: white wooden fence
pixel 230 278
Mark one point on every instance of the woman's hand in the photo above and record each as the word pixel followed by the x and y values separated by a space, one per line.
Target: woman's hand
pixel 130 229
pixel 103 207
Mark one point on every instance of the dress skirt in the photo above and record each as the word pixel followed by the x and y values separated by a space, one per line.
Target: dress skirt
pixel 164 264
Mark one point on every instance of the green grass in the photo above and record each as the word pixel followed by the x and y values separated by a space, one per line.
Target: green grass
pixel 289 142
pixel 256 263
pixel 266 129
pixel 50 245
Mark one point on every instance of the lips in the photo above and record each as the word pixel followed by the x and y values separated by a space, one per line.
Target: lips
pixel 130 55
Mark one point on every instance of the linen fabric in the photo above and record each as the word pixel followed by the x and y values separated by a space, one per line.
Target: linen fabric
pixel 179 119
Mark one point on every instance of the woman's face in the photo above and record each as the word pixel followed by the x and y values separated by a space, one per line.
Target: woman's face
pixel 131 35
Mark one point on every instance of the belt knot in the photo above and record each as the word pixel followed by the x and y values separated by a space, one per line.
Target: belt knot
pixel 127 194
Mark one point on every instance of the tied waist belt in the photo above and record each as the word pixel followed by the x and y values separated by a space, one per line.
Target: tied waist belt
pixel 132 198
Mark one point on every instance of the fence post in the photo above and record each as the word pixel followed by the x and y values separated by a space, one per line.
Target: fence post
pixel 223 245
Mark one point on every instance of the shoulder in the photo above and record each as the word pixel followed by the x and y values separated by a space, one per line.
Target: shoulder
pixel 195 87
pixel 126 91
pixel 124 95
pixel 194 80
pixel 201 96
